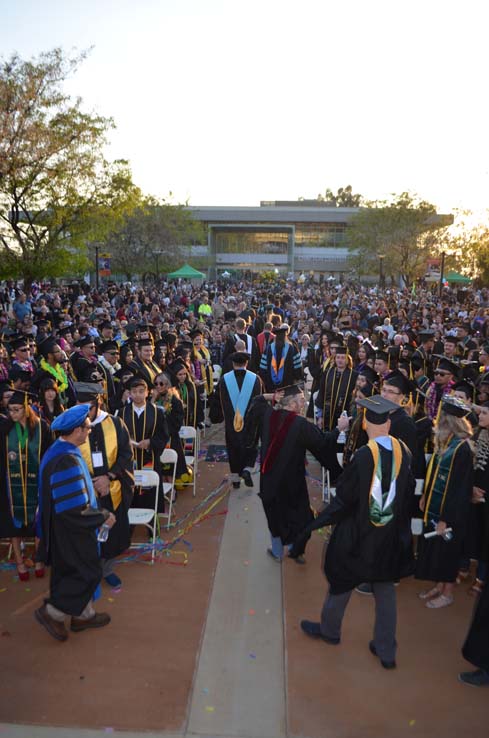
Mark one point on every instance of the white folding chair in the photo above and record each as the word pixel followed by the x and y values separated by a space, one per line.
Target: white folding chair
pixel 146 516
pixel 169 456
pixel 188 434
pixel 417 523
pixel 217 370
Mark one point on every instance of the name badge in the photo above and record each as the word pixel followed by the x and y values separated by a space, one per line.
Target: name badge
pixel 97 459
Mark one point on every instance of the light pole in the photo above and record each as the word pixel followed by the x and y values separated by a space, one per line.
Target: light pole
pixel 157 254
pixel 381 270
pixel 96 267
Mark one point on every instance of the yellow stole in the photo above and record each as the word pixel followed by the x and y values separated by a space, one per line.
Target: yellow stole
pixel 111 451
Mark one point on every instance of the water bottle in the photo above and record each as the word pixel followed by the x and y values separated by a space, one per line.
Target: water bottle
pixel 103 533
pixel 342 434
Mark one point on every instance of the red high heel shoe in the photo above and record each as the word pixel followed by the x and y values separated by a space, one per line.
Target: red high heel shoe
pixel 23 575
pixel 40 572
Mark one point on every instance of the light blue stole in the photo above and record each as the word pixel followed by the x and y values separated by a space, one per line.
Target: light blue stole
pixel 239 397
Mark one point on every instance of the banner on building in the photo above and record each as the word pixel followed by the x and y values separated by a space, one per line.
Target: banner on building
pixel 104 265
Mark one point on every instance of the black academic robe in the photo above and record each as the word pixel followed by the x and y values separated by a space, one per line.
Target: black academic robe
pixel 193 409
pixel 251 348
pixel 283 488
pixel 110 438
pixel 239 456
pixel 292 366
pixel 335 393
pixel 150 424
pixel 7 527
pixel 85 370
pixel 438 560
pixel 403 428
pixel 69 534
pixel 147 370
pixel 110 389
pixel 174 415
pixel 476 646
pixel 359 551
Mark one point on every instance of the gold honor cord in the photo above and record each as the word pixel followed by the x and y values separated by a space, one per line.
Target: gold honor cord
pixel 335 400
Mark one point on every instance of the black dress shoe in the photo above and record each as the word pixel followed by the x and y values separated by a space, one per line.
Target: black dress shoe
pixel 385 664
pixel 298 559
pixel 246 476
pixel 236 485
pixel 314 631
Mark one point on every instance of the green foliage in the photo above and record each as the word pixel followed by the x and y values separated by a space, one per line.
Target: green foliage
pixel 154 238
pixel 405 231
pixel 467 245
pixel 56 189
pixel 344 198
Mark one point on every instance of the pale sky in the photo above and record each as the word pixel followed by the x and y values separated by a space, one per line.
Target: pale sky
pixel 229 103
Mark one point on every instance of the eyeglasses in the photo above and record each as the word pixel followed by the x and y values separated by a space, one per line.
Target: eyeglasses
pixel 440 373
pixel 390 391
pixel 161 384
pixel 112 353
pixel 23 349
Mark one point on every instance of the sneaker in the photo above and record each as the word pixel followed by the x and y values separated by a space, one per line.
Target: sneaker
pixel 364 589
pixel 55 628
pixel 246 476
pixel 278 559
pixel 314 631
pixel 477 678
pixel 113 580
pixel 385 664
pixel 97 621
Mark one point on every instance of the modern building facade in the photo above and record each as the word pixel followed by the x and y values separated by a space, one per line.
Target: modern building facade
pixel 291 237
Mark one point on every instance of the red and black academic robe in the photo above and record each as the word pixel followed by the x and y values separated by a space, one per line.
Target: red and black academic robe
pixel 285 439
pixel 69 519
pixel 108 450
pixel 358 550
pixel 335 394
pixel 239 455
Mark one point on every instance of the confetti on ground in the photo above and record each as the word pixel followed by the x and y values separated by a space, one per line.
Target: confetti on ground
pixel 117 590
pixel 6 633
pixel 246 563
pixel 205 691
pixel 111 599
pixel 4 589
pixel 411 723
pixel 252 656
pixel 245 509
pixel 251 612
pixel 27 589
pixel 209 708
pixel 267 612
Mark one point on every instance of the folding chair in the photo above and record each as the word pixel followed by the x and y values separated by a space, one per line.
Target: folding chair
pixel 417 523
pixel 217 372
pixel 169 456
pixel 188 434
pixel 146 478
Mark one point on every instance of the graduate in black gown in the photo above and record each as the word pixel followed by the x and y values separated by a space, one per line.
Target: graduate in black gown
pixel 286 436
pixel 335 389
pixel 236 391
pixel 149 435
pixel 167 398
pixel 446 502
pixel 108 455
pixel 280 364
pixel 371 540
pixel 69 519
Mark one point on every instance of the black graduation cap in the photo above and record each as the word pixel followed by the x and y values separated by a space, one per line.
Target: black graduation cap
pixel 425 335
pixel 408 349
pixel 18 341
pixel 485 348
pixel 454 406
pixel 196 332
pixel 470 369
pixel 336 340
pixel 377 408
pixel 400 381
pixel 240 357
pixel 169 338
pixel 65 330
pixel 382 355
pixel 108 346
pixel 47 346
pixel 450 339
pixel 177 366
pixel 292 389
pixel 446 365
pixel 417 363
pixel 146 342
pixel 369 374
pixel 5 387
pixel 21 397
pixel 84 341
pixel 282 328
pixel 105 324
pixel 87 391
pixel 135 381
pixel 341 350
pixel 17 372
pixel 131 328
pixel 483 379
pixel 464 386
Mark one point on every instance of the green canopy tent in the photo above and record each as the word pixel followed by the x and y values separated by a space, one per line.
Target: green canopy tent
pixel 186 272
pixel 458 278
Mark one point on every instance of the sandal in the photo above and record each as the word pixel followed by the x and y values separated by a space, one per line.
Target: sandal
pixel 427 594
pixel 462 576
pixel 476 588
pixel 22 573
pixel 441 601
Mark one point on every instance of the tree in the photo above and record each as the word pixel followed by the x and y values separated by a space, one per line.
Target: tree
pixel 467 243
pixel 153 238
pixel 344 198
pixel 401 234
pixel 56 188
